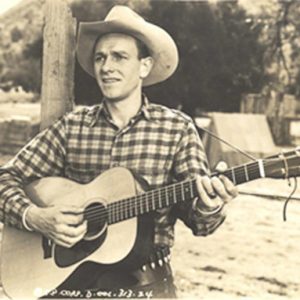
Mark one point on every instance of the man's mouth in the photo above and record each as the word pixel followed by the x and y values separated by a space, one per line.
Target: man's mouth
pixel 110 80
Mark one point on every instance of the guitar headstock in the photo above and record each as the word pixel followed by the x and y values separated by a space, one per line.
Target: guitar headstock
pixel 283 165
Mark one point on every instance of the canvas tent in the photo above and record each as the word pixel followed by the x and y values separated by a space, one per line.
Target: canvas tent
pixel 248 132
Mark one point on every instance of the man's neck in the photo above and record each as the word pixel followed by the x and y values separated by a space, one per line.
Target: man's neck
pixel 122 111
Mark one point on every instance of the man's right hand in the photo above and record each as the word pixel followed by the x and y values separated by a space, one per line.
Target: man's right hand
pixel 64 225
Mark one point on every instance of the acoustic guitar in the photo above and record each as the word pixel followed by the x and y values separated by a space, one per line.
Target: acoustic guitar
pixel 116 212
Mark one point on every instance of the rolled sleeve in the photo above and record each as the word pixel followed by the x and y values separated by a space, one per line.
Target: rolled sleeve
pixel 43 156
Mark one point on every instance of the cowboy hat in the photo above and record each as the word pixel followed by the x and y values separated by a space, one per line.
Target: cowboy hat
pixel 121 19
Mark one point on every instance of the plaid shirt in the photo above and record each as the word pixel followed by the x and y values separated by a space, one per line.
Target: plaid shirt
pixel 159 144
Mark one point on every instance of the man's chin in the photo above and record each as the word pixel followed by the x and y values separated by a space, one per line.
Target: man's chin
pixel 113 98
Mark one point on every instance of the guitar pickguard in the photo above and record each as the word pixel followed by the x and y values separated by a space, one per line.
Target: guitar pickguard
pixel 65 257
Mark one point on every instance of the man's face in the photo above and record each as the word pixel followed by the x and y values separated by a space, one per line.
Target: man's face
pixel 118 70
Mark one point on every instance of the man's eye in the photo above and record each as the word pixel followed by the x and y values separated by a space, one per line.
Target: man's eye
pixel 99 58
pixel 119 57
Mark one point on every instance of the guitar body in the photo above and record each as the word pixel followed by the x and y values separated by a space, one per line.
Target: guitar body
pixel 31 266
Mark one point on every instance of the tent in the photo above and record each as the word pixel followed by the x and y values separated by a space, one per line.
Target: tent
pixel 248 132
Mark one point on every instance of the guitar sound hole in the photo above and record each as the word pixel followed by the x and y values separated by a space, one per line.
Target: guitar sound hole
pixel 96 216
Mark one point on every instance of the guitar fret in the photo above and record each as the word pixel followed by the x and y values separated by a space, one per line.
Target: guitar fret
pixel 116 213
pixel 191 189
pixel 261 168
pixel 233 176
pixel 167 197
pixel 111 218
pixel 246 173
pixel 121 211
pixel 153 200
pixel 159 199
pixel 187 190
pixel 174 193
pixel 135 206
pixel 182 192
pixel 170 195
pixel 147 205
pixel 124 210
pixel 128 207
pixel 141 207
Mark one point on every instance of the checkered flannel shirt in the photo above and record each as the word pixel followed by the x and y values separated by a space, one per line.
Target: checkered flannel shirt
pixel 159 144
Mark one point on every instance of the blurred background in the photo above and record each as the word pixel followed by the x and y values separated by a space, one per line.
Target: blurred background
pixel 239 77
pixel 235 56
pixel 227 49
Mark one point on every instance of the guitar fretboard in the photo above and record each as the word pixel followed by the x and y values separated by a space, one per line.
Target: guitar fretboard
pixel 245 173
pixel 175 193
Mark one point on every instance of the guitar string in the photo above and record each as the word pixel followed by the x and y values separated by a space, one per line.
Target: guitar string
pixel 119 209
pixel 126 204
pixel 155 197
pixel 170 188
pixel 121 206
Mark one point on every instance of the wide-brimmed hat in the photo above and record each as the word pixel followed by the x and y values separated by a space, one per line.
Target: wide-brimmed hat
pixel 122 19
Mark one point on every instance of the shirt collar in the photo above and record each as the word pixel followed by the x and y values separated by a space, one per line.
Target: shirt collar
pixel 145 109
pixel 102 110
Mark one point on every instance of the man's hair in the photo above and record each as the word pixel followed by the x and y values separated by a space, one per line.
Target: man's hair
pixel 143 50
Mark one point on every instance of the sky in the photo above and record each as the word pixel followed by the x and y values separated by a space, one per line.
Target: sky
pixel 7 4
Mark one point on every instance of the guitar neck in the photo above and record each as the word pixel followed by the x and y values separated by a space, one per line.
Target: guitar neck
pixel 175 193
pixel 246 172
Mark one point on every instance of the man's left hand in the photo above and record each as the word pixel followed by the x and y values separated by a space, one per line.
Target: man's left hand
pixel 216 191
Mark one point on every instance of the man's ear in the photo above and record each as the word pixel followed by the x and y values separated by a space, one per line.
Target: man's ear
pixel 146 66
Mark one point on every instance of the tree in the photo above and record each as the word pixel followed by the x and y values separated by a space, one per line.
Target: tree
pixel 220 55
pixel 279 24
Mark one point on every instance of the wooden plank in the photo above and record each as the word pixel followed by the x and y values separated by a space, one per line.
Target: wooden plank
pixel 58 61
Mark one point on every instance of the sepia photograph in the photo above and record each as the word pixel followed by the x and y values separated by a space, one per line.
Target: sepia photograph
pixel 150 149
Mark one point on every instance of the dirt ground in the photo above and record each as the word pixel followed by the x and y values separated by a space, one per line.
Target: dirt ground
pixel 254 255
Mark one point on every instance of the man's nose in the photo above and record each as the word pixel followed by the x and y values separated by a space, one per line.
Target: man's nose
pixel 107 65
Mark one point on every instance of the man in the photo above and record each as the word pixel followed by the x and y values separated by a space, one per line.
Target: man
pixel 123 53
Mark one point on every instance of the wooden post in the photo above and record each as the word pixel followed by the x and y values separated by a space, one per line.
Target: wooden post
pixel 58 61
